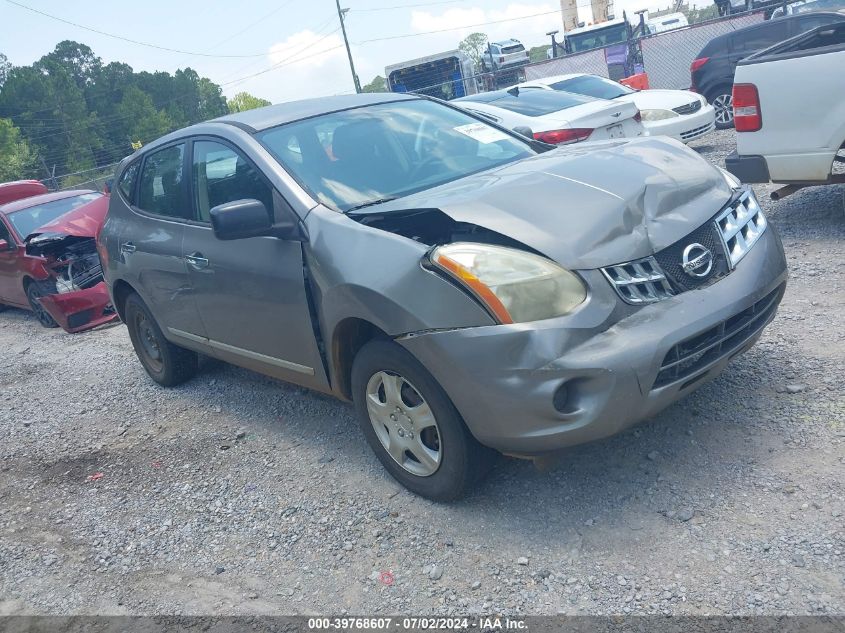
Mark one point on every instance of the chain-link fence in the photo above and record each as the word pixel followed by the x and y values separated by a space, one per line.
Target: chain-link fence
pixel 665 57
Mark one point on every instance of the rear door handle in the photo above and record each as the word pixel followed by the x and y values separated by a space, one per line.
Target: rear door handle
pixel 127 247
pixel 196 261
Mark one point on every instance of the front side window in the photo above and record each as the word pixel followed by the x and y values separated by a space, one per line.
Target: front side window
pixel 593 86
pixel 222 175
pixel 4 234
pixel 355 157
pixel 127 181
pixel 161 191
pixel 28 220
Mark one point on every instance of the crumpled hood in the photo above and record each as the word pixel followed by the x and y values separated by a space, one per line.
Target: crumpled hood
pixel 84 221
pixel 588 205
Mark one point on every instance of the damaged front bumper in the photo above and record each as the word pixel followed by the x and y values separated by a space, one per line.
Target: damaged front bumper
pixel 531 388
pixel 80 310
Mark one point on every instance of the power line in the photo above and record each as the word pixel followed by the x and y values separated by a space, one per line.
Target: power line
pixel 454 28
pixel 130 40
pixel 408 6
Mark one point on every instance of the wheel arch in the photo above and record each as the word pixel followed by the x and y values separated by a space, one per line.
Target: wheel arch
pixel 348 337
pixel 120 293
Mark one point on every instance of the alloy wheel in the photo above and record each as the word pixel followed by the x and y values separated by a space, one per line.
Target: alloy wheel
pixel 404 423
pixel 724 106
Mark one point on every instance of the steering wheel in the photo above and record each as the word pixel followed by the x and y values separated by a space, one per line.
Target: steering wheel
pixel 417 171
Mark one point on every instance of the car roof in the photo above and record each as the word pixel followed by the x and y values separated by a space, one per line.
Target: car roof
pixel 554 79
pixel 34 201
pixel 595 27
pixel 795 16
pixel 264 118
pixel 273 115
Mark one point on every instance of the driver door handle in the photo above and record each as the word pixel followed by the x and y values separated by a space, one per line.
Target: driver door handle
pixel 127 247
pixel 196 261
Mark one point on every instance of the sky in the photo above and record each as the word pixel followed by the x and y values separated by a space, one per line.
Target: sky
pixel 279 49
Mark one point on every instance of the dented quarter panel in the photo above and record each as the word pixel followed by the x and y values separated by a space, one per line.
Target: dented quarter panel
pixel 363 272
pixel 588 205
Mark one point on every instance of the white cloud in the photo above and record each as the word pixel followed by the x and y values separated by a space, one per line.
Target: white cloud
pixel 511 21
pixel 309 64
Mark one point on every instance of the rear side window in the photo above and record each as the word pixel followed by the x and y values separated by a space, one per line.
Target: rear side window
pixel 515 48
pixel 222 175
pixel 161 189
pixel 771 33
pixel 128 180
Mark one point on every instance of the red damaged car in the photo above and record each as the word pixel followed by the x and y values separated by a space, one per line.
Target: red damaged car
pixel 48 258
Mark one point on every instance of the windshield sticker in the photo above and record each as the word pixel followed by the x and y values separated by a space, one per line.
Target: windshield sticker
pixel 481 132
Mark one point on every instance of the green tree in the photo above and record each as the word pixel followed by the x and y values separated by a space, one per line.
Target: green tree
pixel 378 84
pixel 18 160
pixel 5 68
pixel 244 101
pixel 143 122
pixel 473 45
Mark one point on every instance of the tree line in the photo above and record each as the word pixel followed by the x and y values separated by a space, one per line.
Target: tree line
pixel 69 112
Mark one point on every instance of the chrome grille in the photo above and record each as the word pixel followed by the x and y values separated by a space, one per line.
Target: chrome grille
pixel 698 352
pixel 740 226
pixel 688 108
pixel 640 281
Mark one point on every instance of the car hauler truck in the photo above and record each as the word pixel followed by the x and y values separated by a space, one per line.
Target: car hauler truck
pixel 445 75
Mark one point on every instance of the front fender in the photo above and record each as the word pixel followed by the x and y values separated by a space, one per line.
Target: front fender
pixel 367 273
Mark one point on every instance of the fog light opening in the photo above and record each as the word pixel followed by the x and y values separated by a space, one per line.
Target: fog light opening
pixel 563 398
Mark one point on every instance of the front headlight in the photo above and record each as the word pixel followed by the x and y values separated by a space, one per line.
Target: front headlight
pixel 657 115
pixel 514 285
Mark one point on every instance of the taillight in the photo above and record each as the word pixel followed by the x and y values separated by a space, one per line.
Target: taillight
pixel 560 137
pixel 638 117
pixel 747 114
pixel 698 63
pixel 695 65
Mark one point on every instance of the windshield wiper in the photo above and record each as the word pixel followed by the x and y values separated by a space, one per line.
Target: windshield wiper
pixel 371 203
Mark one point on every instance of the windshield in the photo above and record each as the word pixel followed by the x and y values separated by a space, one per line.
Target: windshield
pixel 593 86
pixel 616 34
pixel 351 158
pixel 27 220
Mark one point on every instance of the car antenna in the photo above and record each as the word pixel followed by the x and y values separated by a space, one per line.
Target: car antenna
pixel 514 91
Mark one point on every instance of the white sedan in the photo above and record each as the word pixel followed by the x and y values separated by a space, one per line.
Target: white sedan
pixel 681 114
pixel 556 117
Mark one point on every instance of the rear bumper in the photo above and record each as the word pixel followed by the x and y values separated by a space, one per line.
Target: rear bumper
pixel 747 168
pixel 504 379
pixel 82 309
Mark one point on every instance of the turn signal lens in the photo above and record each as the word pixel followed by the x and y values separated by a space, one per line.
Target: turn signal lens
pixel 514 285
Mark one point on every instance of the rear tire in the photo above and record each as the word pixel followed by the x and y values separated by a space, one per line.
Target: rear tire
pixel 167 364
pixel 412 426
pixel 722 101
pixel 34 291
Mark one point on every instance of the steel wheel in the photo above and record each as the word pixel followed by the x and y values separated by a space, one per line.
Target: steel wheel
pixel 723 104
pixel 147 337
pixel 404 423
pixel 34 294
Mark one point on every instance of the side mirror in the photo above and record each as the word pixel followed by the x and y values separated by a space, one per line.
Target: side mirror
pixel 525 131
pixel 240 219
pixel 4 245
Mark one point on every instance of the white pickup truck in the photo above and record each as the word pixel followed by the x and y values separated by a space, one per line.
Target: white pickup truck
pixel 789 111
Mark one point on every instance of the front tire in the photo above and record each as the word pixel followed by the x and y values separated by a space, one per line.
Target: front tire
pixel 722 101
pixel 34 291
pixel 167 364
pixel 412 426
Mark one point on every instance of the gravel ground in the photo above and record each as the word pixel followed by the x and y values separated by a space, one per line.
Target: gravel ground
pixel 236 494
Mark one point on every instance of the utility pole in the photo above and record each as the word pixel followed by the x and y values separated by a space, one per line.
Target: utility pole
pixel 341 14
